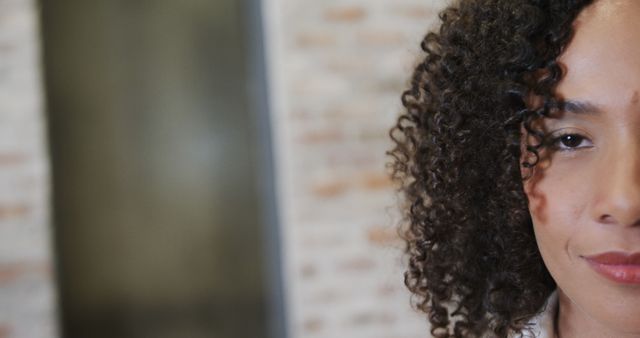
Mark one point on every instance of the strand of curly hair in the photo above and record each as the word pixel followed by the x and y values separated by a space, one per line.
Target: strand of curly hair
pixel 474 267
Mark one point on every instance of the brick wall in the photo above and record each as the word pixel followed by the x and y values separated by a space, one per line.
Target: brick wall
pixel 337 68
pixel 26 287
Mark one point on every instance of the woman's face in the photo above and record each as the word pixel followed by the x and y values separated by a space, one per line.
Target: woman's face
pixel 584 196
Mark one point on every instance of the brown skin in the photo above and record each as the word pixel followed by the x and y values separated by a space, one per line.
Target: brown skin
pixel 584 199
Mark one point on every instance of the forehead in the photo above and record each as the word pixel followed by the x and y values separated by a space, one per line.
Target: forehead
pixel 602 61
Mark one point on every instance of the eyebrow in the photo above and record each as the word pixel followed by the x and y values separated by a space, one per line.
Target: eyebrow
pixel 579 107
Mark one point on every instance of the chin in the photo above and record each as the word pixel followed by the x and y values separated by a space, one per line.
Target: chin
pixel 619 312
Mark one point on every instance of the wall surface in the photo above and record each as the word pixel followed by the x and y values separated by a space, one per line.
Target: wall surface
pixel 337 69
pixel 26 273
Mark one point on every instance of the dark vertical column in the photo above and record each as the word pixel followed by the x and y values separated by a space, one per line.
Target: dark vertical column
pixel 161 169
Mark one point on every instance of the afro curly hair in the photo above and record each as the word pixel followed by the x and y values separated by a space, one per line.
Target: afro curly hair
pixel 473 263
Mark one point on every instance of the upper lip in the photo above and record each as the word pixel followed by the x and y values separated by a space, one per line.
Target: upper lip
pixel 615 258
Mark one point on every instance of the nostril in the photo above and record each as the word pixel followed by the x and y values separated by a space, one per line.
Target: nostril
pixel 607 219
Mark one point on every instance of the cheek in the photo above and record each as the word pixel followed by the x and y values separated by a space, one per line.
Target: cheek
pixel 557 198
pixel 554 225
pixel 551 210
pixel 555 202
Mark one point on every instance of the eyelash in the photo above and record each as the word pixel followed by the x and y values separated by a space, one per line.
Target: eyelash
pixel 556 142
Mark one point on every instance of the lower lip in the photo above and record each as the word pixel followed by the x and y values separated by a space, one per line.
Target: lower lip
pixel 620 273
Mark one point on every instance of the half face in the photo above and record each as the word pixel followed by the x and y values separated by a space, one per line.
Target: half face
pixel 584 197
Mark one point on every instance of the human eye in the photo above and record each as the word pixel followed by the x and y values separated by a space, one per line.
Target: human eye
pixel 568 141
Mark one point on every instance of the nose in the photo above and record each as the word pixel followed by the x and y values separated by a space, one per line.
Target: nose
pixel 618 199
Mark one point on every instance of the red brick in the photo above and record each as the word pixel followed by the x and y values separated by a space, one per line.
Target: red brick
pixel 376 181
pixel 308 270
pixel 357 107
pixel 11 272
pixel 330 189
pixel 13 211
pixel 7 159
pixel 381 38
pixel 326 296
pixel 315 39
pixel 416 12
pixel 371 318
pixel 313 324
pixel 383 235
pixel 386 290
pixel 372 135
pixel 345 65
pixel 357 264
pixel 346 14
pixel 322 136
pixel 328 242
pixel 353 160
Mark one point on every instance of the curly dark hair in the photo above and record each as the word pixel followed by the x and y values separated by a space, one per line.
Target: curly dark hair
pixel 474 266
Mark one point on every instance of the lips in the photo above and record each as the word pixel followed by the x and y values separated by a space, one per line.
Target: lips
pixel 619 267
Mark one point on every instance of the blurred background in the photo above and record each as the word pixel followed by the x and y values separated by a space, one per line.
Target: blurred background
pixel 203 168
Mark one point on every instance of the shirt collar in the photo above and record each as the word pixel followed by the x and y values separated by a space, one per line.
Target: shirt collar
pixel 542 324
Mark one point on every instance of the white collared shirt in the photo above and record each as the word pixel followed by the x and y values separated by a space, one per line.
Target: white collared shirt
pixel 542 324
